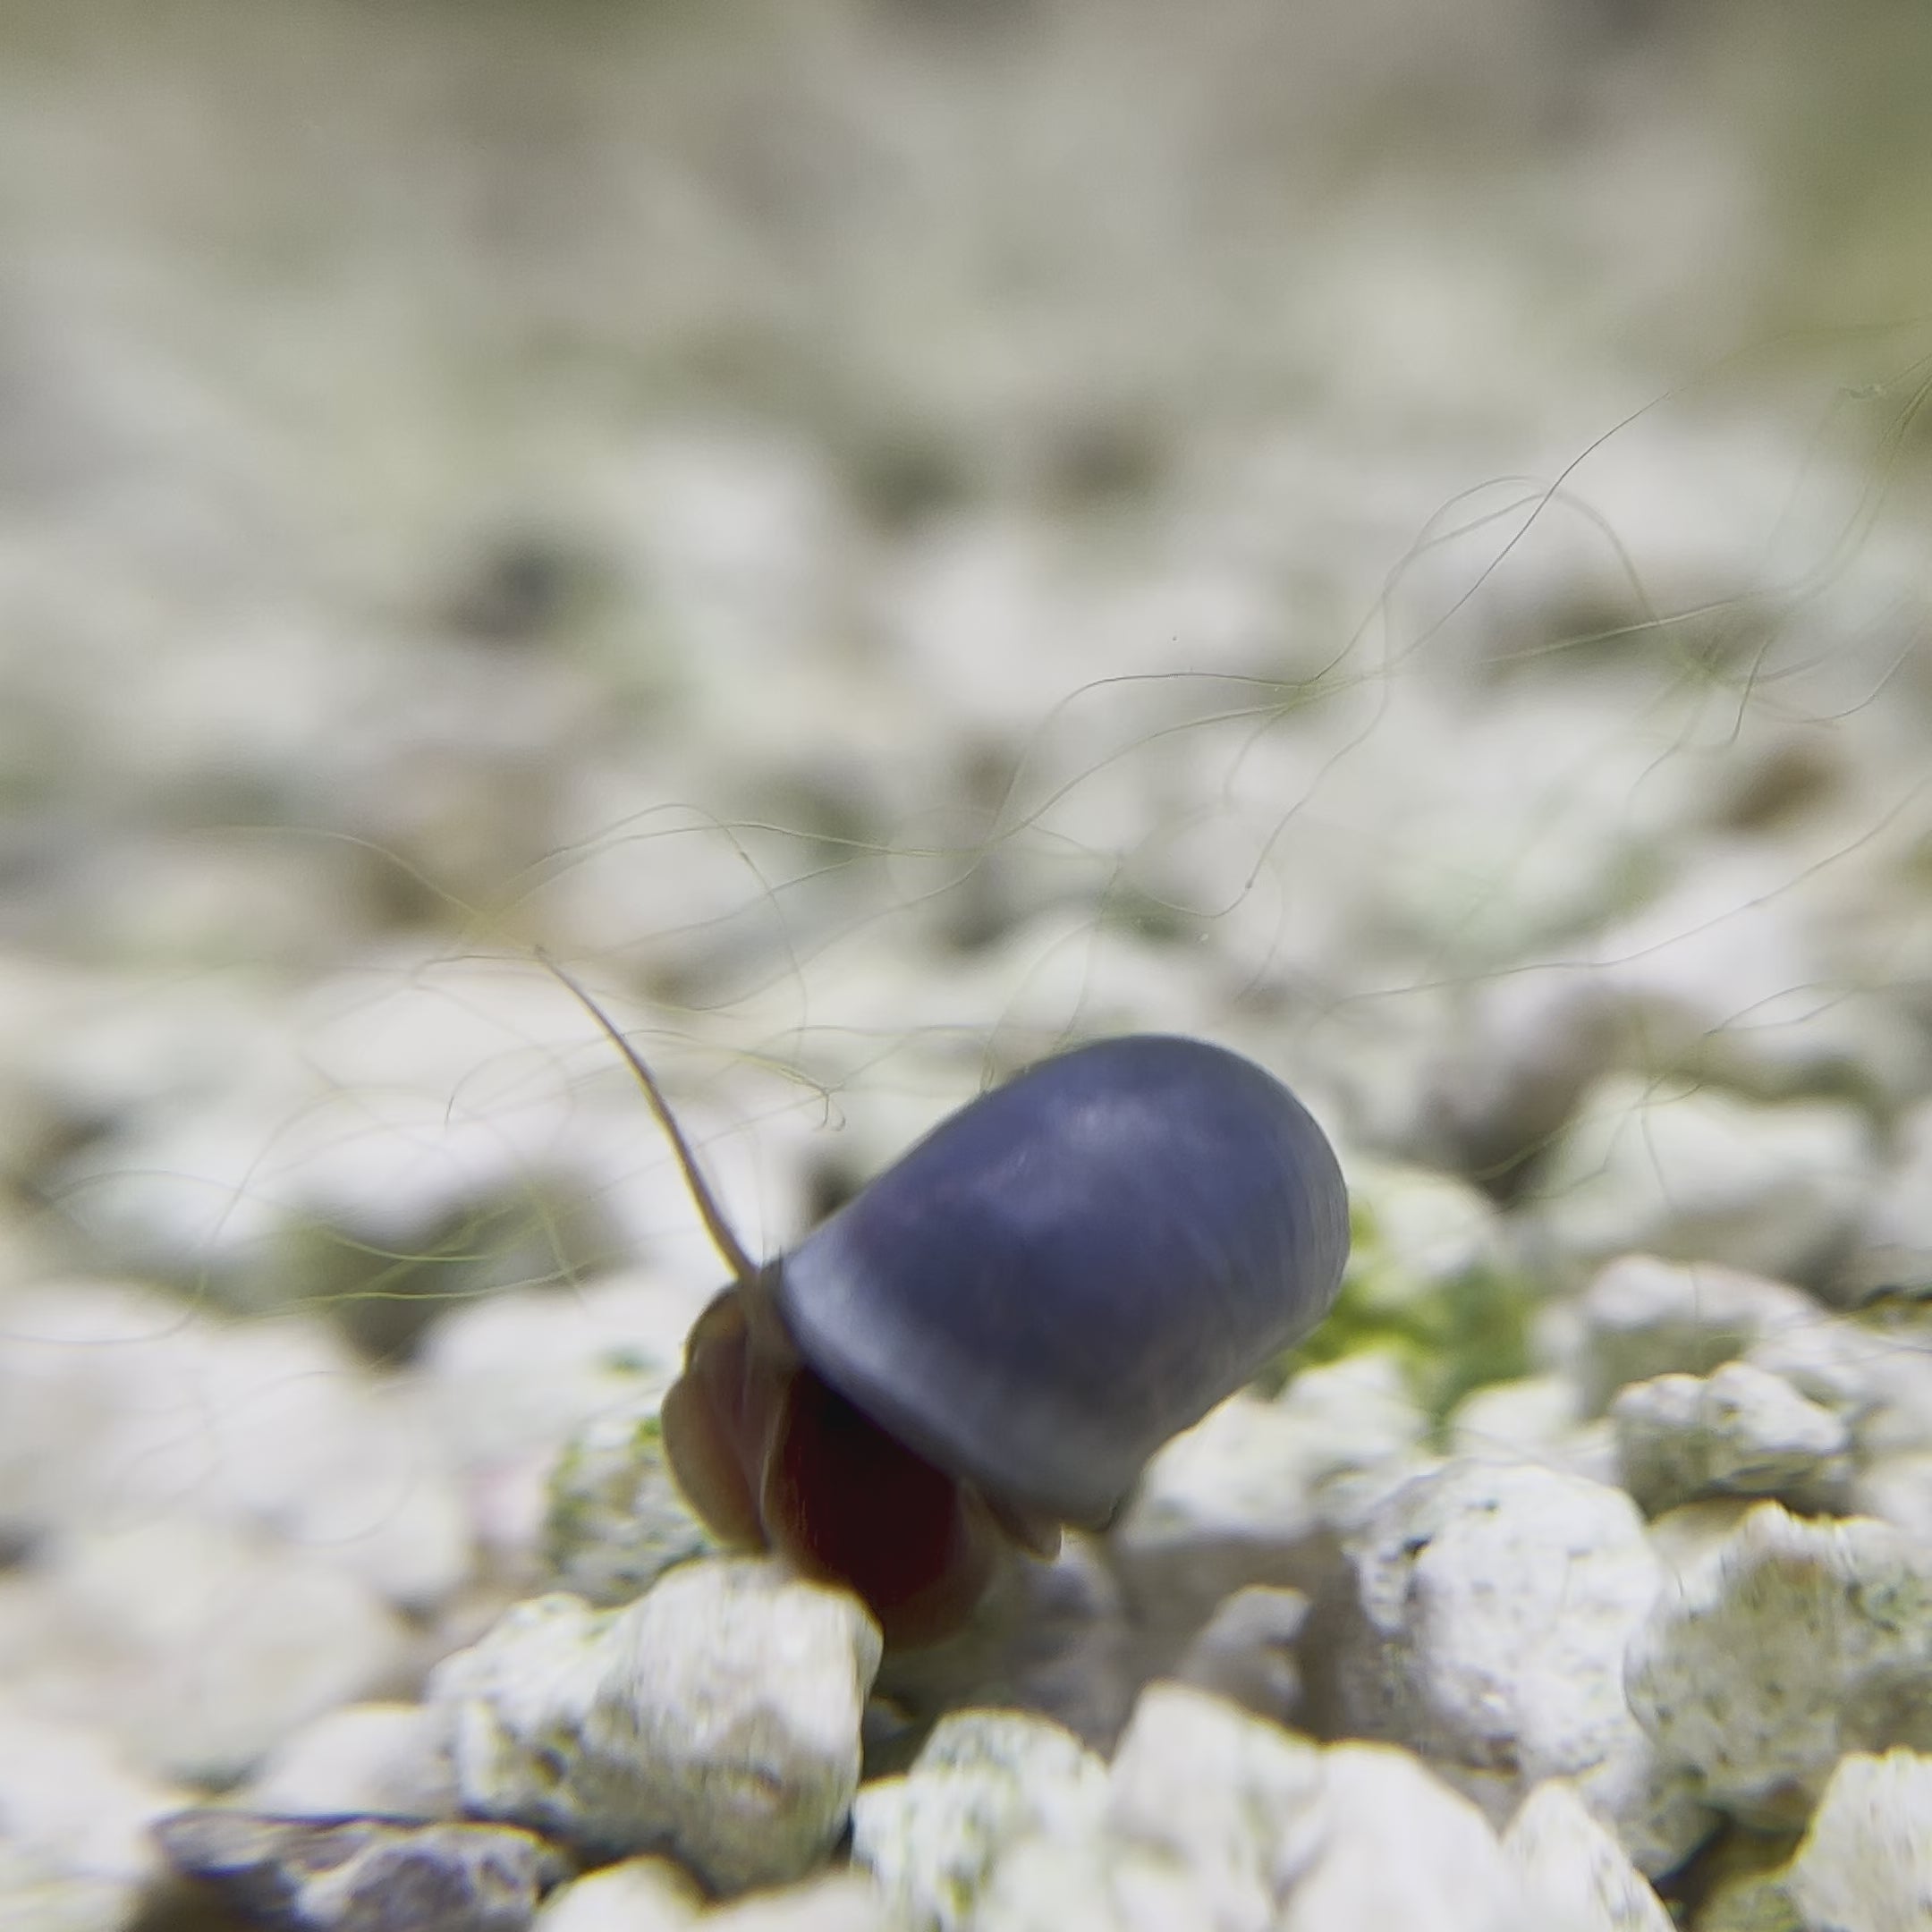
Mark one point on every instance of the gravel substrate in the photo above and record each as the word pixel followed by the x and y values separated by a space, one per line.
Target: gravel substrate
pixel 893 537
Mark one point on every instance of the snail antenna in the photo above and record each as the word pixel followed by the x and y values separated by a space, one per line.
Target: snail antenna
pixel 744 1270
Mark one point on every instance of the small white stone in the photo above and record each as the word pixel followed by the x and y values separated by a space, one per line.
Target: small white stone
pixel 1227 1503
pixel 718 1717
pixel 118 1405
pixel 1690 1539
pixel 1738 1431
pixel 1491 1607
pixel 638 1894
pixel 1896 1240
pixel 1892 1352
pixel 1865 1861
pixel 1575 1872
pixel 198 1645
pixel 1642 1317
pixel 34 1896
pixel 519 1371
pixel 1897 1489
pixel 1355 1414
pixel 834 1901
pixel 1218 1798
pixel 1519 1421
pixel 983 1780
pixel 1245 1652
pixel 1684 1169
pixel 1838 1363
pixel 365 1761
pixel 615 1518
pixel 1392 1846
pixel 1252 1493
pixel 1796 1643
pixel 71 1804
pixel 1537 1418
pixel 1084 1885
pixel 1424 1228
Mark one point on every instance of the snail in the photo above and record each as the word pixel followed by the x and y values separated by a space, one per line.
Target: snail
pixel 990 1340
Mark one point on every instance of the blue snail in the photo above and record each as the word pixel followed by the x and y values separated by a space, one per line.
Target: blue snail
pixel 990 1340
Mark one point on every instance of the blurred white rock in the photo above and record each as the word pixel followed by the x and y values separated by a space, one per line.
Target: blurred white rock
pixel 413 1132
pixel 37 1896
pixel 1205 1809
pixel 1895 1237
pixel 1795 1643
pixel 1046 1884
pixel 1221 1801
pixel 636 1894
pixel 75 1846
pixel 1738 1431
pixel 1486 1629
pixel 1227 1503
pixel 119 1403
pixel 982 1780
pixel 1423 1227
pixel 719 1718
pixel 368 1760
pixel 1641 1316
pixel 198 1645
pixel 1253 1492
pixel 513 1376
pixel 1537 1418
pixel 1847 1365
pixel 1866 1862
pixel 615 1518
pixel 1245 1652
pixel 832 1901
pixel 1694 1173
pixel 1722 978
pixel 1576 1874
pixel 1897 1489
pixel 1690 1540
pixel 1391 1845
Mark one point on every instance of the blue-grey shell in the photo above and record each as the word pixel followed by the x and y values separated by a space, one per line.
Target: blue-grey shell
pixel 1076 1266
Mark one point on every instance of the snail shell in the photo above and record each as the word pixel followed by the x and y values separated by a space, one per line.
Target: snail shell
pixel 1076 1267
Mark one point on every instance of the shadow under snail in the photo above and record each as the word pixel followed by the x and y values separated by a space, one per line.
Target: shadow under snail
pixel 990 1340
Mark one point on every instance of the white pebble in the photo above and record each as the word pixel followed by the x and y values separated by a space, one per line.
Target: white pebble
pixel 718 1717
pixel 834 1901
pixel 1738 1431
pixel 983 1780
pixel 118 1405
pixel 1218 1797
pixel 638 1894
pixel 1686 1170
pixel 368 1760
pixel 1796 1643
pixel 1642 1317
pixel 1537 1418
pixel 1245 1652
pixel 1491 1607
pixel 1575 1872
pixel 200 1646
pixel 73 1808
pixel 1866 1862
pixel 1251 1493
pixel 1393 1846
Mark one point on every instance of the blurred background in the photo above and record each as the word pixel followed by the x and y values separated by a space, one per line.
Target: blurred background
pixel 894 534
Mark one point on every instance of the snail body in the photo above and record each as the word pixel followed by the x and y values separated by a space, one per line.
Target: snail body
pixel 991 1339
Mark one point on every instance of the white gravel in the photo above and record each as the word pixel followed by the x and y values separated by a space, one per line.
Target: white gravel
pixel 889 538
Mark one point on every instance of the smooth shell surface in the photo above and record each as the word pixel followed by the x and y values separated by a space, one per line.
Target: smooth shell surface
pixel 1076 1266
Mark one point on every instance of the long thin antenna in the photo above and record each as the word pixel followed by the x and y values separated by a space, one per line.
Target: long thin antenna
pixel 744 1270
